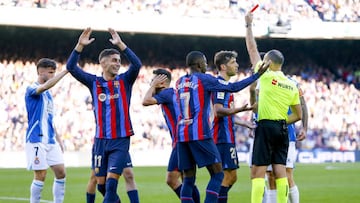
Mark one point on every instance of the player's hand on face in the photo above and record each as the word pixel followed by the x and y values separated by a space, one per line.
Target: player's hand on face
pixel 264 66
pixel 302 135
pixel 84 38
pixel 158 80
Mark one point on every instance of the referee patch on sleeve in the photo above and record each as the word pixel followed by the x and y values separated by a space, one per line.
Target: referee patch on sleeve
pixel 220 95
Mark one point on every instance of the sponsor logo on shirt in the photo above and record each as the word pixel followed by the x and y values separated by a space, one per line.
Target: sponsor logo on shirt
pixel 102 97
pixel 281 85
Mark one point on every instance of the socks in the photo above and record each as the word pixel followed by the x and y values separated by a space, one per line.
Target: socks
pixel 196 194
pixel 187 189
pixel 133 196
pixel 282 188
pixel 101 189
pixel 257 190
pixel 111 189
pixel 265 196
pixel 59 190
pixel 271 196
pixel 90 198
pixel 178 190
pixel 223 194
pixel 213 187
pixel 294 196
pixel 35 191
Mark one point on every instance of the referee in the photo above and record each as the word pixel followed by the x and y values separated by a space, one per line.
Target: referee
pixel 276 94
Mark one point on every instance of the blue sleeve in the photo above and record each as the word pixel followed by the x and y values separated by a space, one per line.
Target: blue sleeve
pixel 213 84
pixel 219 97
pixel 135 65
pixel 164 96
pixel 31 90
pixel 80 75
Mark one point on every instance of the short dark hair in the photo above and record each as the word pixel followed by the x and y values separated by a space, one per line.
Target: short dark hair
pixel 275 56
pixel 46 63
pixel 161 71
pixel 222 57
pixel 194 58
pixel 108 52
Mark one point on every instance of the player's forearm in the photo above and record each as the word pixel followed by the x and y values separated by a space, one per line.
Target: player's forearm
pixel 79 47
pixel 292 118
pixel 50 83
pixel 148 98
pixel 222 112
pixel 246 82
pixel 251 45
pixel 133 59
pixel 252 93
pixel 122 46
pixel 305 114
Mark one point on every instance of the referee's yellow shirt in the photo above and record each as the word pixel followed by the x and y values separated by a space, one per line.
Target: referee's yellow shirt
pixel 276 94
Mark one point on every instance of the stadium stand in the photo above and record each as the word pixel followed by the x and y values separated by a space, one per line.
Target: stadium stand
pixel 329 70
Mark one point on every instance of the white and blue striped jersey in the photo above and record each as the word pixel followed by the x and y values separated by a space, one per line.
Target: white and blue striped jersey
pixel 40 112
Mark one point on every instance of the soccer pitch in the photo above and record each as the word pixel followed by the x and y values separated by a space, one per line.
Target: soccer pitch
pixel 329 183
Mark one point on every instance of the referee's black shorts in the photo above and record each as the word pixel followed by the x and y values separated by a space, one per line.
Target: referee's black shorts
pixel 271 143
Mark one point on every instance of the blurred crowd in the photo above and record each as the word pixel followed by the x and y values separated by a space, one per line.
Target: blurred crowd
pixel 277 10
pixel 333 105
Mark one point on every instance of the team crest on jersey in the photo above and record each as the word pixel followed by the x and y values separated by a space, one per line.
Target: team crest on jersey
pixel 36 161
pixel 102 97
pixel 97 170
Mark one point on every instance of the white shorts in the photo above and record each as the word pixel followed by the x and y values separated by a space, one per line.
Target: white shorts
pixel 40 156
pixel 291 157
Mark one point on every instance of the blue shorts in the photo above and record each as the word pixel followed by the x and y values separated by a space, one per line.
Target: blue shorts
pixel 201 153
pixel 173 160
pixel 93 157
pixel 228 154
pixel 111 155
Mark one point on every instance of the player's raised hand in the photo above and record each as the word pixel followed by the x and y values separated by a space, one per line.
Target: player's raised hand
pixel 158 80
pixel 248 18
pixel 84 38
pixel 116 39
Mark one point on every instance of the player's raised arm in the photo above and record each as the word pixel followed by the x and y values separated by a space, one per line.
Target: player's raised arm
pixel 149 99
pixel 45 68
pixel 250 40
pixel 84 40
pixel 116 39
pixel 305 116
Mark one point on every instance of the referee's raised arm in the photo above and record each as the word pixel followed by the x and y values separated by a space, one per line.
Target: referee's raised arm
pixel 276 95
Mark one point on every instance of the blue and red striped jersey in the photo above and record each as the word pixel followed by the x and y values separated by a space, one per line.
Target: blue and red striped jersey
pixel 110 99
pixel 193 94
pixel 167 99
pixel 223 130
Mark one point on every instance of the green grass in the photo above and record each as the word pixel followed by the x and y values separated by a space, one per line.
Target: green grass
pixel 330 183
